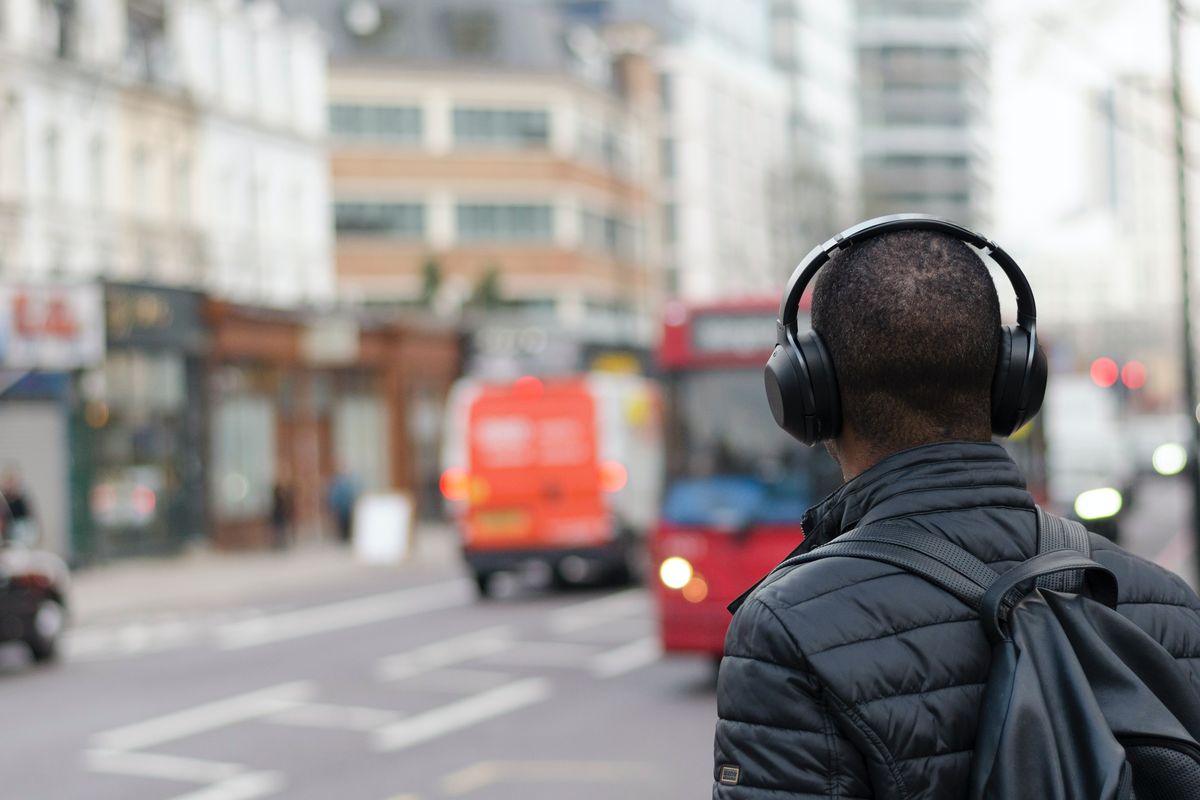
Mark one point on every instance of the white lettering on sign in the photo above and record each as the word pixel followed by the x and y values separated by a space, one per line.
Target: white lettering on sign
pixel 504 441
pixel 563 441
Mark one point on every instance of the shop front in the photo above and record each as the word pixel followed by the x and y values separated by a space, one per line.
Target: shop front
pixel 141 420
pixel 48 333
pixel 301 402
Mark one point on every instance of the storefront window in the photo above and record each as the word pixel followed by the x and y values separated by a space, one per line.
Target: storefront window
pixel 244 456
pixel 360 434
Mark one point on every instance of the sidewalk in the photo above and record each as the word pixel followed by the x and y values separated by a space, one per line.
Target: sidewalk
pixel 207 579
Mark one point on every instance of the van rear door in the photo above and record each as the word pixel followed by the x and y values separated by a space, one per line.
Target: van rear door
pixel 534 467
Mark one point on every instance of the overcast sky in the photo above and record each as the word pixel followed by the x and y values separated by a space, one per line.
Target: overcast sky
pixel 1049 55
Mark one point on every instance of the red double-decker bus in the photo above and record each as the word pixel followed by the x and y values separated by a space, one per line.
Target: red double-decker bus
pixel 736 485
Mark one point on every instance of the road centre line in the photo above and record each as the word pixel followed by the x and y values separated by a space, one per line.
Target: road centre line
pixel 638 653
pixel 461 714
pixel 206 717
pixel 447 652
pixel 597 612
pixel 344 614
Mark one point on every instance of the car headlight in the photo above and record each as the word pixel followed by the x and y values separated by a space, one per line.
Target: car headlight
pixel 1098 504
pixel 675 572
pixel 1169 458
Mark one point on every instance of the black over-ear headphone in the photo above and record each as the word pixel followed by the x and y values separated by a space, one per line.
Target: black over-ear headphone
pixel 802 384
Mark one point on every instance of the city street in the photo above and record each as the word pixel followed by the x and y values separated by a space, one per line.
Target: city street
pixel 309 675
pixel 367 682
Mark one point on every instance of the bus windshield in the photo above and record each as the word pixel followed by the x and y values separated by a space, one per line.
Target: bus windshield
pixel 730 466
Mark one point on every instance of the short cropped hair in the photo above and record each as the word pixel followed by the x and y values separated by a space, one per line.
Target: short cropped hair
pixel 911 320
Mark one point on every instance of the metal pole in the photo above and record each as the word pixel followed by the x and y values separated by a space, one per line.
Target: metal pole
pixel 1181 190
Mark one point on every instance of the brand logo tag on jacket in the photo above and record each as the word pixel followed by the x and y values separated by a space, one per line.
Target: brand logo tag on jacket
pixel 730 775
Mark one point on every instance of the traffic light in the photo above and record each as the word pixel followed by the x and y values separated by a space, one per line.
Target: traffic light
pixel 1105 372
pixel 1133 375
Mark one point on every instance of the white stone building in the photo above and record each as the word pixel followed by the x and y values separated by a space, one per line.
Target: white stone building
pixel 177 143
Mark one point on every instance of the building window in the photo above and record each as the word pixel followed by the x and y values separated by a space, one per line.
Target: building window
pixel 141 179
pixel 666 91
pixel 670 222
pixel 667 157
pixel 53 150
pixel 511 127
pixel 96 158
pixel 399 220
pixel 518 222
pixel 376 123
pixel 243 433
pixel 183 189
pixel 608 233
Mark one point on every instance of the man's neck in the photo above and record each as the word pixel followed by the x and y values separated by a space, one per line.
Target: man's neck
pixel 855 455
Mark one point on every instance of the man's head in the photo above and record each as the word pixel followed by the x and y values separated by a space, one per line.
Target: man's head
pixel 912 322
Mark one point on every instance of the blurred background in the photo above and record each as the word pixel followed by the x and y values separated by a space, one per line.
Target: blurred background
pixel 380 380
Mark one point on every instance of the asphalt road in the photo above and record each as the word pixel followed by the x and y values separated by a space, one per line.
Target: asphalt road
pixel 380 685
pixel 392 686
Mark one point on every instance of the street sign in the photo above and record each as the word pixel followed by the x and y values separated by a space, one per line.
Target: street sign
pixel 51 327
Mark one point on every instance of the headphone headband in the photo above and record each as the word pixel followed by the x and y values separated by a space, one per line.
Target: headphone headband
pixel 803 274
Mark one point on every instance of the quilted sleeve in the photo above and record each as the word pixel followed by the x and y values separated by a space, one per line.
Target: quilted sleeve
pixel 776 738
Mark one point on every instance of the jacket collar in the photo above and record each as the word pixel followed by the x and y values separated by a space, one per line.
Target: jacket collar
pixel 930 477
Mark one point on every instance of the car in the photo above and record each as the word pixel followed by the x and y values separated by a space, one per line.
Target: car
pixel 34 585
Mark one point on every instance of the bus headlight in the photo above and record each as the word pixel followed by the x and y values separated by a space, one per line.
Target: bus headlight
pixel 675 572
pixel 1098 504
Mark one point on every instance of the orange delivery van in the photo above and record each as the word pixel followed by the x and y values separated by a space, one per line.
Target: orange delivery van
pixel 557 473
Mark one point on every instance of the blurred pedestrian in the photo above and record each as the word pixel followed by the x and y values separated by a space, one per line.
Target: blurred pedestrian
pixel 342 494
pixel 281 513
pixel 848 677
pixel 19 524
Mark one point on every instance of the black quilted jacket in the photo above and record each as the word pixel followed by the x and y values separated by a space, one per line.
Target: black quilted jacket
pixel 846 678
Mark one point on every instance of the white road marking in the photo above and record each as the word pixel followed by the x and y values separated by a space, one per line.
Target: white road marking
pixel 318 715
pixel 209 716
pixel 344 614
pixel 544 654
pixel 225 781
pixel 598 612
pixel 638 653
pixel 489 773
pixel 462 714
pixel 158 765
pixel 445 653
pixel 242 787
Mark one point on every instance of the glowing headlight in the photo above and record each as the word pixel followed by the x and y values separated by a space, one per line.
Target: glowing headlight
pixel 1169 459
pixel 1098 504
pixel 675 572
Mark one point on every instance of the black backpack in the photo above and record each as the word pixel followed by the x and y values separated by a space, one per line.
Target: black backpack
pixel 1080 703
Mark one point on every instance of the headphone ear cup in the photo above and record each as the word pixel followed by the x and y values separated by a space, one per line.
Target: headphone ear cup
pixel 826 419
pixel 1018 387
pixel 784 378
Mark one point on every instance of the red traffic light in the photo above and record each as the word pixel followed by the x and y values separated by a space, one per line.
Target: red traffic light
pixel 1133 374
pixel 1105 372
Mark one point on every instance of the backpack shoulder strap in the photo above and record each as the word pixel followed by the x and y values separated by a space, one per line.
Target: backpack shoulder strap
pixel 931 557
pixel 1056 533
